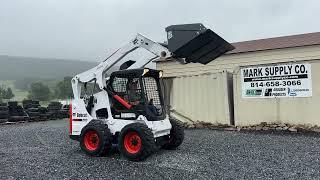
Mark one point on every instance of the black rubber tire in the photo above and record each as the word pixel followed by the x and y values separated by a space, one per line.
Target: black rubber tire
pixel 16 118
pixel 3 104
pixel 4 112
pixel 43 110
pixel 56 103
pixel 34 114
pixel 33 119
pixel 53 114
pixel 4 108
pixel 176 136
pixel 13 103
pixel 104 135
pixel 4 116
pixel 148 142
pixel 53 108
pixel 27 103
pixel 20 109
pixel 3 120
pixel 33 110
pixel 12 109
pixel 43 117
pixel 36 103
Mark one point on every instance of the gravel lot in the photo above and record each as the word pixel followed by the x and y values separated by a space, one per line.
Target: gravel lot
pixel 43 150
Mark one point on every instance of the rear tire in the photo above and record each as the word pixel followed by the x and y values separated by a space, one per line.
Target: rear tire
pixel 96 139
pixel 136 142
pixel 176 135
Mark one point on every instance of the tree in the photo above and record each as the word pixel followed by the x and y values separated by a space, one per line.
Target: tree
pixel 63 88
pixel 8 94
pixel 39 91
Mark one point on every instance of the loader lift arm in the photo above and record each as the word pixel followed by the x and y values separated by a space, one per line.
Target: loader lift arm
pixel 98 73
pixel 187 43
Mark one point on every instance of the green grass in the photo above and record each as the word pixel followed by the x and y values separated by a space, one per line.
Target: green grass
pixel 19 95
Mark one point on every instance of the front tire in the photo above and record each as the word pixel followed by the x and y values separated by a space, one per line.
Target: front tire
pixel 176 136
pixel 96 139
pixel 136 142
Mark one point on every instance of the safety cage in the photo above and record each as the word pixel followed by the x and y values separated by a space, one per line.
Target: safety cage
pixel 141 90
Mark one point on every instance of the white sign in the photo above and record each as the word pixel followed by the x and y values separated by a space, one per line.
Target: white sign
pixel 282 80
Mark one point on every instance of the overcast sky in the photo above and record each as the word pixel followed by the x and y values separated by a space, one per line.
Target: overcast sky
pixel 91 29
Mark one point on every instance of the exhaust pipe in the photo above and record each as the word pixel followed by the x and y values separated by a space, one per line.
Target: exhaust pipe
pixel 195 43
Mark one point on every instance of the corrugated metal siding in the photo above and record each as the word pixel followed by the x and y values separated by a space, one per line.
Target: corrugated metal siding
pixel 201 98
pixel 230 62
pixel 279 110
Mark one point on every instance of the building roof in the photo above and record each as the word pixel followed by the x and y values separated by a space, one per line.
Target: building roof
pixel 277 43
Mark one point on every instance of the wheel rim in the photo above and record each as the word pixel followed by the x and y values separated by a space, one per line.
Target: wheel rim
pixel 132 142
pixel 91 140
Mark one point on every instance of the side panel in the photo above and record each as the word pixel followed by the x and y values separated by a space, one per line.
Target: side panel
pixel 80 117
pixel 202 98
pixel 159 128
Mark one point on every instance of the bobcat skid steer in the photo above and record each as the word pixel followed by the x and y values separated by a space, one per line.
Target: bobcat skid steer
pixel 120 102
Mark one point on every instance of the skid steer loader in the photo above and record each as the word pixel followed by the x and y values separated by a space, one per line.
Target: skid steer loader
pixel 121 102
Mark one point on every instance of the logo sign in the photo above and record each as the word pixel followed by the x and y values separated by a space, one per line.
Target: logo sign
pixel 282 80
pixel 81 115
pixel 253 92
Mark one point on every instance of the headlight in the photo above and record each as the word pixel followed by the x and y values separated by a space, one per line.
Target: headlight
pixel 145 71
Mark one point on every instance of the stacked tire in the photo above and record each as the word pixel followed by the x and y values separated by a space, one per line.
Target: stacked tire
pixel 4 112
pixel 16 112
pixel 27 104
pixel 54 110
pixel 43 113
pixel 32 109
pixel 64 111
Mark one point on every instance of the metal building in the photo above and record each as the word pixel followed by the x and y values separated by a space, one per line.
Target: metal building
pixel 219 92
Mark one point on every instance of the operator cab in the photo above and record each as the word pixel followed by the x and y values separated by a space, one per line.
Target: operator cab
pixel 138 92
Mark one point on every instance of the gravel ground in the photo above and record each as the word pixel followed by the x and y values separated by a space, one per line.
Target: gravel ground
pixel 43 150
